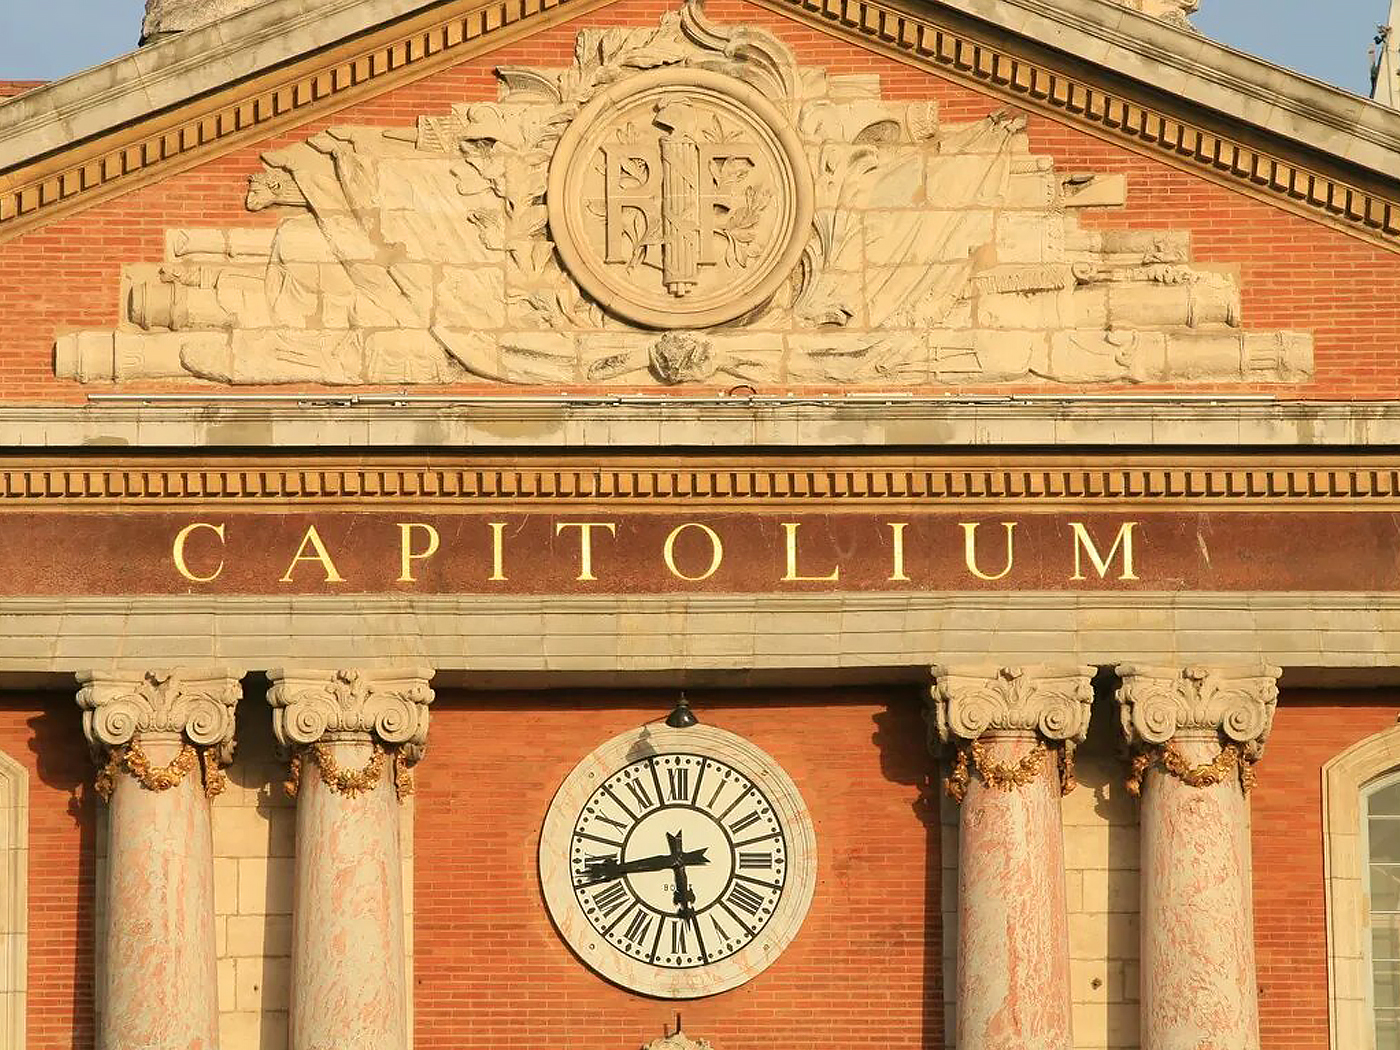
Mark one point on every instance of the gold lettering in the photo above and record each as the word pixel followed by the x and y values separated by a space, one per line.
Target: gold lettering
pixel 177 551
pixel 1084 542
pixel 585 542
pixel 791 576
pixel 897 568
pixel 970 549
pixel 319 554
pixel 498 557
pixel 407 555
pixel 668 552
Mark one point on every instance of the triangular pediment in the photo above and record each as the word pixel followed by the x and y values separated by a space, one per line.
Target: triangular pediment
pixel 1181 98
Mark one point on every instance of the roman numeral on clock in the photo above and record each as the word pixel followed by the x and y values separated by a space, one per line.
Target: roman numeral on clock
pixel 756 859
pixel 678 781
pixel 610 898
pixel 640 794
pixel 748 820
pixel 740 896
pixel 637 929
pixel 678 936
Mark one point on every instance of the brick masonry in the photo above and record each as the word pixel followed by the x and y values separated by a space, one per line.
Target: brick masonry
pixel 66 275
pixel 868 966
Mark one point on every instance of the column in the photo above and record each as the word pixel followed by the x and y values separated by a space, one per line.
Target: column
pixel 353 736
pixel 1013 730
pixel 1195 734
pixel 161 738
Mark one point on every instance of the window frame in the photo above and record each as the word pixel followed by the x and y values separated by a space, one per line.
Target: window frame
pixel 14 907
pixel 1348 779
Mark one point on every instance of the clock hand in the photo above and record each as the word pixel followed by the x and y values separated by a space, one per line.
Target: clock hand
pixel 608 870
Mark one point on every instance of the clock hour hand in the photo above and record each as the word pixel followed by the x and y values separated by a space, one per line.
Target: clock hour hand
pixel 608 870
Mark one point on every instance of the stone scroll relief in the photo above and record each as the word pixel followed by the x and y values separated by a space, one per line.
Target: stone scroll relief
pixel 684 204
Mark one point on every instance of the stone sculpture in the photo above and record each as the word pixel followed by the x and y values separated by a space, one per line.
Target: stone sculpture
pixel 684 204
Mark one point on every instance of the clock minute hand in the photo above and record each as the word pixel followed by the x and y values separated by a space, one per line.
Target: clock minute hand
pixel 608 870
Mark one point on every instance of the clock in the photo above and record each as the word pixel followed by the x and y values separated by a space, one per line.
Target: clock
pixel 678 862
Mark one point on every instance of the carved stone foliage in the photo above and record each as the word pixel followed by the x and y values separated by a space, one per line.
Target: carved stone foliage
pixel 682 204
pixel 678 1040
pixel 1174 12
pixel 195 704
pixel 391 705
pixel 1236 703
pixel 1053 702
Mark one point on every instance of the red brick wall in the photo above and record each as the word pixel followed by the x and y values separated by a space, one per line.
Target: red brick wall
pixel 1290 909
pixel 491 971
pixel 44 733
pixel 1296 273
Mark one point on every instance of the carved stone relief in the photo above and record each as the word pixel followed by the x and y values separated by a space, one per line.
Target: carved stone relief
pixel 682 204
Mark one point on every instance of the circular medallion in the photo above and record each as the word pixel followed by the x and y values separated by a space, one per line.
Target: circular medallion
pixel 678 862
pixel 680 198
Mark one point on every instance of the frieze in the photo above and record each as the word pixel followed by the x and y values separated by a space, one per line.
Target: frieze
pixel 683 204
pixel 593 549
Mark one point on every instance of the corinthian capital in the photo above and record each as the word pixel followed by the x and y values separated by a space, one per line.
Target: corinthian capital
pixel 1235 702
pixel 1052 701
pixel 391 704
pixel 196 704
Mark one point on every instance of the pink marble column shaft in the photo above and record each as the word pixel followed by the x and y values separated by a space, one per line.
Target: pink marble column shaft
pixel 160 978
pixel 1013 938
pixel 1198 976
pixel 348 978
pixel 349 981
pixel 1192 729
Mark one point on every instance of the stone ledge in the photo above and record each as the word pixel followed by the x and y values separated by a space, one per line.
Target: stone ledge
pixel 694 638
pixel 618 423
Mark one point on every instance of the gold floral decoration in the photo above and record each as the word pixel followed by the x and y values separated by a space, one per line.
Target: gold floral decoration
pixel 350 783
pixel 1006 776
pixel 133 759
pixel 1231 759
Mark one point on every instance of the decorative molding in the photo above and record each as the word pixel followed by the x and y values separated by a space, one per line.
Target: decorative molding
pixel 196 704
pixel 811 480
pixel 1053 702
pixel 170 142
pixel 166 143
pixel 14 900
pixel 921 42
pixel 678 1040
pixel 1237 703
pixel 391 704
pixel 1344 778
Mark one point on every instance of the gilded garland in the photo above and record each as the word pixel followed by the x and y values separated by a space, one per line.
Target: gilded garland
pixel 351 783
pixel 133 759
pixel 1007 776
pixel 1231 759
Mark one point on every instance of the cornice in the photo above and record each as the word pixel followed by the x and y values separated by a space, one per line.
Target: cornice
pixel 1181 99
pixel 637 482
pixel 985 48
pixel 198 95
pixel 737 425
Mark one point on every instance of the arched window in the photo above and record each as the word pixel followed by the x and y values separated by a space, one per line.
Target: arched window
pixel 14 898
pixel 1380 842
pixel 1361 832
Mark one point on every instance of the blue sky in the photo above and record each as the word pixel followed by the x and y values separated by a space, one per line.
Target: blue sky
pixel 47 39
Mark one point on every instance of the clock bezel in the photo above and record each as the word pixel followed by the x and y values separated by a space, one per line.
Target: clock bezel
pixel 556 877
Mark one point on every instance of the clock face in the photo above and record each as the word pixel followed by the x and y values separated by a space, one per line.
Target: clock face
pixel 678 862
